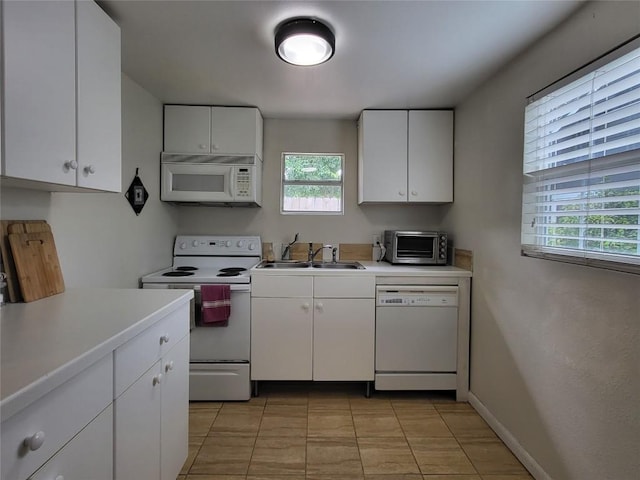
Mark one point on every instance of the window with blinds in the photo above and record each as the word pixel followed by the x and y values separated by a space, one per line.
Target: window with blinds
pixel 581 167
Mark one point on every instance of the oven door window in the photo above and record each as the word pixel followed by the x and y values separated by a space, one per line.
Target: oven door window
pixel 414 246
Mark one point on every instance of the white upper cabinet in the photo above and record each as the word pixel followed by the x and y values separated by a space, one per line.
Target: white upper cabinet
pixel 99 99
pixel 382 156
pixel 217 130
pixel 55 53
pixel 39 91
pixel 405 156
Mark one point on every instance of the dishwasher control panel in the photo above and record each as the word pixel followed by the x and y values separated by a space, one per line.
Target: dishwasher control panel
pixel 388 297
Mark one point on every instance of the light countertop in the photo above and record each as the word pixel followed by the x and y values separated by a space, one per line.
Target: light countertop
pixel 379 269
pixel 46 342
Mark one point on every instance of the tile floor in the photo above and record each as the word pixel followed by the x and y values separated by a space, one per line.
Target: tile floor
pixel 320 431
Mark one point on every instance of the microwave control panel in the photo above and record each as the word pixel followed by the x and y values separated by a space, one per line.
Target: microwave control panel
pixel 243 183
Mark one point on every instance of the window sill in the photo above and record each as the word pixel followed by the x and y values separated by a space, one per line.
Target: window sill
pixel 606 262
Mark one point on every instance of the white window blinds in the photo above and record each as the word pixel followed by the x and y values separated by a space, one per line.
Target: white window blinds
pixel 581 192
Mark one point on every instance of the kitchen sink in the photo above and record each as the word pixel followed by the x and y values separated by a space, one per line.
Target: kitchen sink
pixel 282 264
pixel 301 264
pixel 339 265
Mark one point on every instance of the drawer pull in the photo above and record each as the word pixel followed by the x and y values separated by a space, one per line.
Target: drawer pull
pixel 157 379
pixel 164 339
pixel 35 441
pixel 169 366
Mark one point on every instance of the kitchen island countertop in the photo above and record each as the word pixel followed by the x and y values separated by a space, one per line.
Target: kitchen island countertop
pixel 46 342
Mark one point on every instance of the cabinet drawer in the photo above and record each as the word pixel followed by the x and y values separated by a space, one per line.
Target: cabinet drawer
pixel 342 286
pixel 137 355
pixel 58 416
pixel 281 286
pixel 88 455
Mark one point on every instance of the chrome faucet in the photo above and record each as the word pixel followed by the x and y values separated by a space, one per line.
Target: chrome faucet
pixel 286 251
pixel 313 254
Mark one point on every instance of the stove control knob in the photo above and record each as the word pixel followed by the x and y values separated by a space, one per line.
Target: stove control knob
pixel 240 243
pixel 252 246
pixel 183 245
pixel 194 243
pixel 227 243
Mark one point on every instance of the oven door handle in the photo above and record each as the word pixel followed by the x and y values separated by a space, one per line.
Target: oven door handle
pixel 235 287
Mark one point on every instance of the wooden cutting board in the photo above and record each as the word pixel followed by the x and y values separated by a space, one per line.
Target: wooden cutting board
pixel 13 286
pixel 37 265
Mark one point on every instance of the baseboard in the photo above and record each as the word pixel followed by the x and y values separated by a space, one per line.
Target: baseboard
pixel 509 440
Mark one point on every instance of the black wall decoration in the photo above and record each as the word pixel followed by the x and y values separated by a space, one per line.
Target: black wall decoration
pixel 137 195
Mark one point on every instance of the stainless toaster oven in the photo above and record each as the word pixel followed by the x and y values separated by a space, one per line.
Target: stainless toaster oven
pixel 415 247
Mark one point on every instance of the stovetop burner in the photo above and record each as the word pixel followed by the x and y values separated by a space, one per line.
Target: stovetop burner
pixel 186 269
pixel 233 269
pixel 177 273
pixel 234 273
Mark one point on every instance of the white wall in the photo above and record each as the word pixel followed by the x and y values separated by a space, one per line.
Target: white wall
pixel 357 224
pixel 555 353
pixel 100 240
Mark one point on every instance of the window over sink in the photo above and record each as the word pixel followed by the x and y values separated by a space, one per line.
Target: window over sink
pixel 312 183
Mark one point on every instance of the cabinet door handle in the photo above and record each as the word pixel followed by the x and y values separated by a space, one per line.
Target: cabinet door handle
pixel 89 170
pixel 71 165
pixel 401 193
pixel 157 379
pixel 164 339
pixel 35 441
pixel 306 306
pixel 214 146
pixel 60 477
pixel 414 193
pixel 202 146
pixel 168 367
pixel 319 306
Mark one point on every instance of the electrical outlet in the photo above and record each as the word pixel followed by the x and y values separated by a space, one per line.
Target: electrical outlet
pixel 377 239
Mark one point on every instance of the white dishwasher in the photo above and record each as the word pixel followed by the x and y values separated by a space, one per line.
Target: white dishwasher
pixel 416 337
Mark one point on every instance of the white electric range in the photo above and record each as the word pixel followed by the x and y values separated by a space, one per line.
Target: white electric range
pixel 219 356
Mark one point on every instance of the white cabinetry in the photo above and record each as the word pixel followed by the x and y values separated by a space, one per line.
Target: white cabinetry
pixel 61 96
pixel 312 328
pixel 216 130
pixel 281 328
pixel 343 328
pixel 87 455
pixel 151 401
pixel 405 156
pixel 35 434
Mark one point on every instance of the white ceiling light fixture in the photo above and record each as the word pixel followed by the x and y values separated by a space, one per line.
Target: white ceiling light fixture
pixel 304 41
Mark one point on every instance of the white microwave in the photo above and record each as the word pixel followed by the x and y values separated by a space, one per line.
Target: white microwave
pixel 217 180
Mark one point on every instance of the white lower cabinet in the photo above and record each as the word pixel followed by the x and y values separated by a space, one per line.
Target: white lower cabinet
pixel 174 425
pixel 343 339
pixel 312 328
pixel 152 413
pixel 137 428
pixel 34 435
pixel 281 338
pixel 87 456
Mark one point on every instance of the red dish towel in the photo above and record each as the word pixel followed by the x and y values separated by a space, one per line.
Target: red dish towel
pixel 216 305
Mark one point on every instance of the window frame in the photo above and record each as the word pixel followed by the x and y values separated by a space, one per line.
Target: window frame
pixel 583 256
pixel 284 183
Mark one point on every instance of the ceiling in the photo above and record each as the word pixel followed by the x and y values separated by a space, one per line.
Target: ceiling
pixel 389 54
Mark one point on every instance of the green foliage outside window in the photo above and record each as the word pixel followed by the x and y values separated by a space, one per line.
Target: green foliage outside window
pixel 312 183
